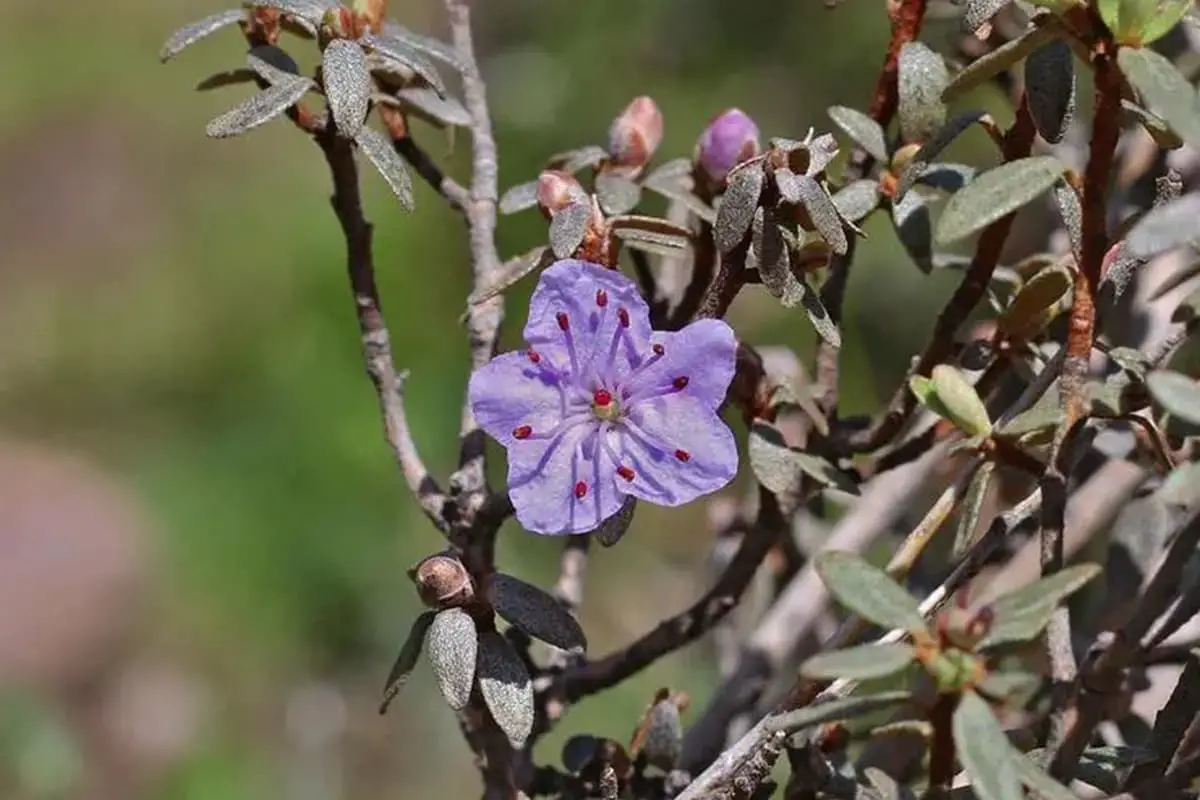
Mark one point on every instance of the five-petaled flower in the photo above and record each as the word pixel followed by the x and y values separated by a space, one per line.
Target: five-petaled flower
pixel 600 407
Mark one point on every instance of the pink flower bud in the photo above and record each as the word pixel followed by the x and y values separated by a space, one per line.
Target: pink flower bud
pixel 730 138
pixel 556 190
pixel 636 133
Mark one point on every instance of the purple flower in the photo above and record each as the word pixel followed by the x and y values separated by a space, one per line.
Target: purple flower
pixel 601 407
pixel 730 139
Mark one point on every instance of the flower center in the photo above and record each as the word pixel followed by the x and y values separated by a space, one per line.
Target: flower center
pixel 605 406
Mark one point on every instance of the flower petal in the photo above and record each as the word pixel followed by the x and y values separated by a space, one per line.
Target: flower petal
pixel 545 479
pixel 678 448
pixel 704 352
pixel 572 287
pixel 511 391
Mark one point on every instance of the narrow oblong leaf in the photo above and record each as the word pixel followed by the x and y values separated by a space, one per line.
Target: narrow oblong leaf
pixel 655 242
pixel 1038 781
pixel 347 83
pixel 914 229
pixel 452 643
pixel 379 151
pixel 258 109
pixel 865 131
pixel 736 212
pixel 438 110
pixel 856 200
pixel 959 397
pixel 996 194
pixel 869 591
pixel 568 228
pixel 984 751
pixel 972 507
pixel 308 10
pixel 779 468
pixel 931 149
pixel 1050 87
pixel 1156 126
pixel 1166 227
pixel 574 160
pixel 818 315
pixel 774 264
pixel 391 48
pixel 193 32
pixel 984 68
pixel 406 661
pixel 229 77
pixel 1164 90
pixel 922 79
pixel 519 198
pixel 1021 615
pixel 1066 199
pixel 663 738
pixel 859 663
pixel 823 213
pixel 1035 304
pixel 426 44
pixel 610 531
pixel 537 613
pixel 1178 394
pixel 271 63
pixel 514 270
pixel 616 193
pixel 506 688
pixel 835 710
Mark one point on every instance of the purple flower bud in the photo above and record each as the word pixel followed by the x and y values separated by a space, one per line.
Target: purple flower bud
pixel 730 138
pixel 636 133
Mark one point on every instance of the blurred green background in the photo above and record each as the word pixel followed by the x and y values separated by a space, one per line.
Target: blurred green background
pixel 203 537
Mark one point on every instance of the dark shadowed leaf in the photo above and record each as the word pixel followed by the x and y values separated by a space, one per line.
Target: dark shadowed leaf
pixel 859 663
pixel 996 194
pixel 948 178
pixel 519 198
pixel 514 269
pixel 930 150
pixel 194 32
pixel 862 129
pixel 1036 779
pixel 1023 614
pixel 923 78
pixel 408 58
pixel 574 160
pixel 664 735
pixel 579 751
pixel 1178 394
pixel 823 213
pixel 983 69
pixel 959 397
pixel 537 613
pixel 972 506
pixel 774 263
pixel 407 660
pixel 616 193
pixel 568 228
pixel 1050 84
pixel 259 108
pixel 506 688
pixel 379 151
pixel 229 77
pixel 1165 227
pixel 1164 90
pixel 979 12
pixel 736 212
pixel 426 44
pixel 1036 303
pixel 1045 414
pixel 855 200
pixel 347 85
pixel 272 64
pixel 868 591
pixel 984 751
pixel 910 217
pixel 612 529
pixel 426 103
pixel 843 708
pixel 818 315
pixel 452 645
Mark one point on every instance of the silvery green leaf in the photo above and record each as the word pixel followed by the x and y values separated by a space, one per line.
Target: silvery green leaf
pixel 537 613
pixel 616 193
pixel 514 270
pixel 407 660
pixel 923 77
pixel 1164 90
pixel 788 184
pixel 452 647
pixel 1178 394
pixel 984 68
pixel 610 531
pixel 779 467
pixel 396 50
pixel 855 200
pixel 843 708
pixel 1023 614
pixel 519 197
pixel 859 663
pixel 434 109
pixel 984 751
pixel 865 131
pixel 1038 781
pixel 910 217
pixel 930 150
pixel 677 170
pixel 823 213
pixel 190 34
pixel 310 11
pixel 1050 88
pixel 1165 228
pixel 656 242
pixel 506 688
pixel 378 149
pixel 347 83
pixel 679 189
pixel 664 735
pixel 272 64
pixel 869 591
pixel 568 227
pixel 573 161
pixel 996 194
pixel 259 108
pixel 426 44
pixel 774 264
pixel 822 150
pixel 736 212
pixel 818 315
pixel 1066 199
pixel 979 12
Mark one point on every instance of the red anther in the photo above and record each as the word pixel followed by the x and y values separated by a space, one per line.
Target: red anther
pixel 534 356
pixel 563 322
pixel 580 490
pixel 625 472
pixel 659 349
pixel 602 397
pixel 623 317
pixel 683 455
pixel 522 432
pixel 601 298
pixel 681 382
